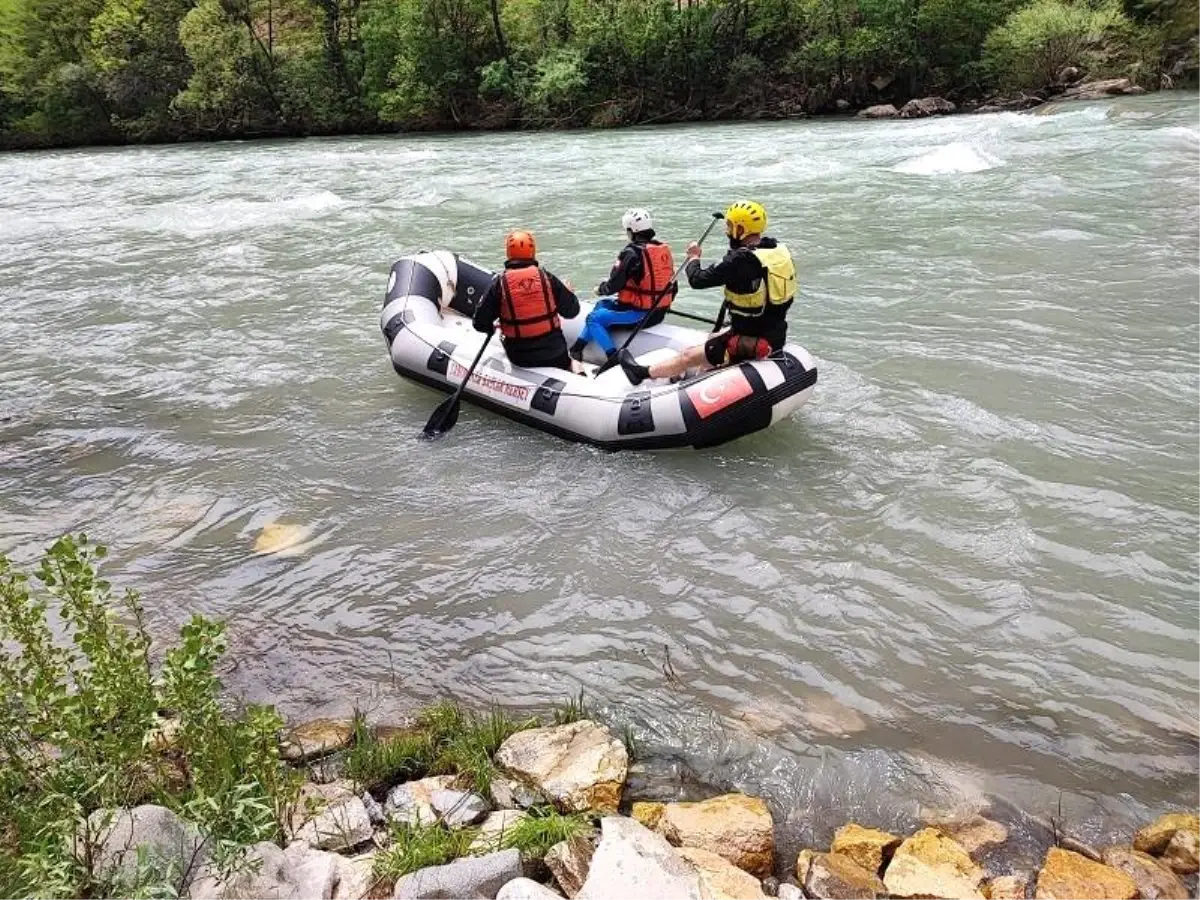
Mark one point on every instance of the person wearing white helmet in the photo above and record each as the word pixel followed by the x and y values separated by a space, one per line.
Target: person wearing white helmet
pixel 640 278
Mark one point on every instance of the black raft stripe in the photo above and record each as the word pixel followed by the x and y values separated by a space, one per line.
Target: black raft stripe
pixel 545 398
pixel 396 324
pixel 636 416
pixel 414 278
pixel 471 284
pixel 439 359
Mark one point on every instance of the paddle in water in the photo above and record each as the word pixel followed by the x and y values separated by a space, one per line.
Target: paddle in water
pixel 612 360
pixel 446 414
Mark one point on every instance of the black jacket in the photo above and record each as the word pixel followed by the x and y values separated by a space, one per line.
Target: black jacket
pixel 548 345
pixel 741 271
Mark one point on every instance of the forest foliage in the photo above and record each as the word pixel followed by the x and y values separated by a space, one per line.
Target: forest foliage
pixel 111 71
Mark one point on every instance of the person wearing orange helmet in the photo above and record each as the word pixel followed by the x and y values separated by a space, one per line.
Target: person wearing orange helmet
pixel 759 278
pixel 528 301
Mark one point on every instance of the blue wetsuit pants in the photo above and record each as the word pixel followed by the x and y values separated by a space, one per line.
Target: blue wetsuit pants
pixel 607 313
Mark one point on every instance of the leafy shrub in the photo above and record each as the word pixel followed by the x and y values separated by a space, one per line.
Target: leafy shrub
pixel 78 725
pixel 1036 42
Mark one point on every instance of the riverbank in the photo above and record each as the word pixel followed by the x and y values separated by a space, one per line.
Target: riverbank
pixel 1072 86
pixel 555 811
pixel 127 772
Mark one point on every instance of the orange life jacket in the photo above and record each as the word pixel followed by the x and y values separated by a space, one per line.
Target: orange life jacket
pixel 527 307
pixel 657 269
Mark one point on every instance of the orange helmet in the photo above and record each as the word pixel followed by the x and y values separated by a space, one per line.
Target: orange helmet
pixel 520 245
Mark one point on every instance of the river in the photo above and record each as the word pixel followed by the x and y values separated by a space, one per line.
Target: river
pixel 969 564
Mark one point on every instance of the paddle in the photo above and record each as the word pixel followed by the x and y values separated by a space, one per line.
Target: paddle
pixel 675 312
pixel 612 360
pixel 446 414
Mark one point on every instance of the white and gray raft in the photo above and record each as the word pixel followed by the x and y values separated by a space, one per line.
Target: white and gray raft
pixel 426 321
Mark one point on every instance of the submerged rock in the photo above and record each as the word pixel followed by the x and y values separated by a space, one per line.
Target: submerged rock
pixel 1066 875
pixel 579 766
pixel 280 539
pixel 832 876
pixel 929 864
pixel 471 876
pixel 975 834
pixel 632 861
pixel 879 111
pixel 926 106
pixel 868 847
pixel 316 738
pixel 1154 880
pixel 737 827
pixel 569 862
pixel 719 878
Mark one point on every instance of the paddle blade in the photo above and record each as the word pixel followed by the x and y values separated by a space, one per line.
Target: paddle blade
pixel 442 420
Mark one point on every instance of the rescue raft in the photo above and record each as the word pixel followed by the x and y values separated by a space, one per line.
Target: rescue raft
pixel 426 321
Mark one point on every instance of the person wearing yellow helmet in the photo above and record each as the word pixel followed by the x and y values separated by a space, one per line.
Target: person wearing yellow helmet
pixel 759 280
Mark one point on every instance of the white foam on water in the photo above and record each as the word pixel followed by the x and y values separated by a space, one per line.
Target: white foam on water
pixel 952 159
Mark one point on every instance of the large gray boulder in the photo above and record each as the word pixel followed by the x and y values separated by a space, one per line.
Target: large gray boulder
pixel 926 106
pixel 175 850
pixel 268 873
pixel 470 877
pixel 633 861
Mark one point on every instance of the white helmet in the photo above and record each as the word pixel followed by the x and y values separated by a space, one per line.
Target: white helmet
pixel 636 220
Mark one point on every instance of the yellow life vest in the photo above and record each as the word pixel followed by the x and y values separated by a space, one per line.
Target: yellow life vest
pixel 778 286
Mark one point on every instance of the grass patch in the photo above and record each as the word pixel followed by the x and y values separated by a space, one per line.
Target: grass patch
pixel 376 764
pixel 417 846
pixel 573 710
pixel 464 743
pixel 543 828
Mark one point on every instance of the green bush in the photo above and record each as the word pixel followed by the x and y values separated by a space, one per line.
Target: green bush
pixel 1036 42
pixel 78 729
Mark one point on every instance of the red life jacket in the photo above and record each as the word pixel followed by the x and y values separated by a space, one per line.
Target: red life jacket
pixel 657 269
pixel 527 307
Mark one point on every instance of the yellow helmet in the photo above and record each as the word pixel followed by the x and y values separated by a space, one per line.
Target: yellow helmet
pixel 745 218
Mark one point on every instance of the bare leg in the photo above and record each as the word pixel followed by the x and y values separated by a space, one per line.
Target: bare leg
pixel 688 359
pixel 693 356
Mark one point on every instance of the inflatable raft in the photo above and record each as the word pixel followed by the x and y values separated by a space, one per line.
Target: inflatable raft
pixel 426 321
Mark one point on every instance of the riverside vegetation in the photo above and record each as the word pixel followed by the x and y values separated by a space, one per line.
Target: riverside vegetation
pixel 116 71
pixel 125 773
